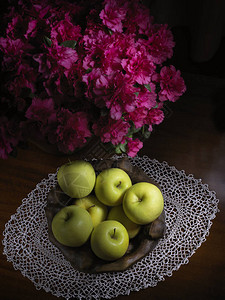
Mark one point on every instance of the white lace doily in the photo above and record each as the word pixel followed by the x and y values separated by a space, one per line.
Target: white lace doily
pixel 190 208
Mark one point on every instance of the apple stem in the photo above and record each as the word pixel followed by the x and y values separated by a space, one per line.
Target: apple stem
pixel 119 184
pixel 91 206
pixel 114 232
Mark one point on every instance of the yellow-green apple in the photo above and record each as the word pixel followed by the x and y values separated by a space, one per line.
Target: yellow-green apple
pixel 109 240
pixel 76 178
pixel 143 203
pixel 72 226
pixel 97 210
pixel 116 213
pixel 111 185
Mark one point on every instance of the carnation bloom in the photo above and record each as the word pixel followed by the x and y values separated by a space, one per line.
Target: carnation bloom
pixel 25 78
pixel 57 59
pixel 56 65
pixel 171 83
pixel 111 130
pixel 97 86
pixel 111 81
pixel 60 56
pixel 13 51
pixel 42 111
pixel 140 16
pixel 9 136
pixel 133 146
pixel 21 25
pixel 138 116
pixel 154 117
pixel 65 30
pixel 112 15
pixel 159 43
pixel 137 65
pixel 72 130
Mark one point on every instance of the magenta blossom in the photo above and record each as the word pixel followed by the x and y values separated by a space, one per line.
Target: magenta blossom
pixel 138 67
pixel 113 131
pixel 72 131
pixel 159 44
pixel 133 146
pixel 42 111
pixel 64 31
pixel 155 117
pixel 26 77
pixel 9 136
pixel 80 69
pixel 113 15
pixel 171 83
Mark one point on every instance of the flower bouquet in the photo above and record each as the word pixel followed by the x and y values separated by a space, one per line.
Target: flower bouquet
pixel 74 70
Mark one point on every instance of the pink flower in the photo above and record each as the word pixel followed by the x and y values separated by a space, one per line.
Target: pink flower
pixel 56 67
pixel 42 111
pixel 133 146
pixel 22 26
pixel 16 27
pixel 57 59
pixel 147 98
pixel 25 78
pixel 31 29
pixel 98 87
pixel 9 136
pixel 138 18
pixel 171 83
pixel 112 15
pixel 155 117
pixel 111 83
pixel 115 51
pixel 72 131
pixel 13 51
pixel 64 31
pixel 63 57
pixel 159 43
pixel 138 116
pixel 111 130
pixel 138 66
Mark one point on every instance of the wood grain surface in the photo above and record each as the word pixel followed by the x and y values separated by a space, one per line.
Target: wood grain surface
pixel 188 139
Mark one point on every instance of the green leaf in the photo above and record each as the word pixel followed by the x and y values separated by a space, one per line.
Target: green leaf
pixel 69 44
pixel 147 134
pixel 123 147
pixel 120 148
pixel 147 86
pixel 88 70
pixel 136 93
pixel 136 85
pixel 110 31
pixel 47 41
pixel 117 150
pixel 133 130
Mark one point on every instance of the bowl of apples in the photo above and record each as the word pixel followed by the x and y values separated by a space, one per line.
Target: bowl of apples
pixel 104 215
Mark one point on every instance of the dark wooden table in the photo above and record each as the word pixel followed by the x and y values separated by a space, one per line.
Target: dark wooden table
pixel 188 139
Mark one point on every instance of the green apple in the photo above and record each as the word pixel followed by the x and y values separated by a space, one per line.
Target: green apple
pixel 109 240
pixel 76 178
pixel 72 226
pixel 143 203
pixel 116 213
pixel 97 210
pixel 111 185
